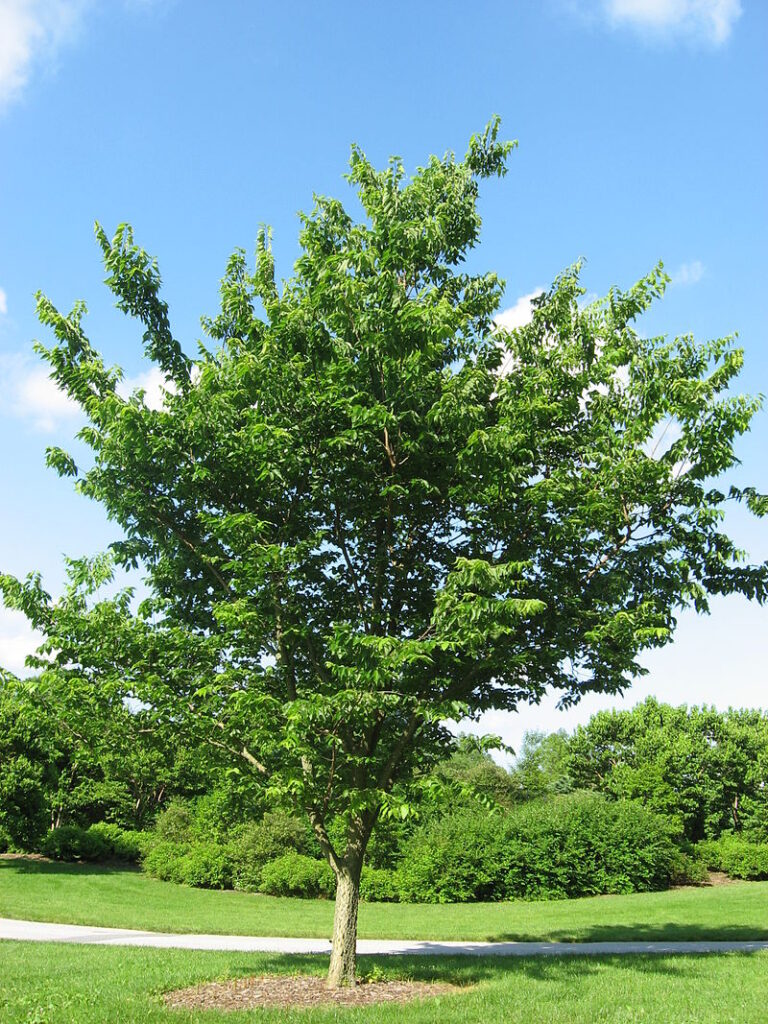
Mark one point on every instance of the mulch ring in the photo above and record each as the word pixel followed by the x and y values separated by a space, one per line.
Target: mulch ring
pixel 300 990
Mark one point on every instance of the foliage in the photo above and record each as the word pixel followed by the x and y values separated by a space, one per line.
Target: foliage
pixel 97 843
pixel 205 866
pixel 174 824
pixel 576 845
pixel 738 857
pixel 70 842
pixel 254 845
pixel 367 508
pixel 122 844
pixel 29 757
pixel 379 885
pixel 294 874
pixel 453 859
pixel 163 859
pixel 708 769
pixel 542 766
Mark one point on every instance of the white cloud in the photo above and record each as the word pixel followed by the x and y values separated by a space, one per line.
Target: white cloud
pixel 688 273
pixel 28 393
pixel 519 314
pixel 32 32
pixel 709 21
pixel 3 302
pixel 154 385
pixel 516 316
pixel 17 640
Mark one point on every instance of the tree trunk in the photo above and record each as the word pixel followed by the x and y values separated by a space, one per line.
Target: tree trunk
pixel 344 943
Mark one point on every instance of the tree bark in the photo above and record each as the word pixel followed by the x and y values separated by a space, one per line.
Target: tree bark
pixel 341 971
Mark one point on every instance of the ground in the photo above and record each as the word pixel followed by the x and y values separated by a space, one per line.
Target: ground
pixel 54 984
pixel 49 983
pixel 82 894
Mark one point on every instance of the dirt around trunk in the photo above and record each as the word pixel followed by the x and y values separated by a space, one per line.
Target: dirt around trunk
pixel 300 991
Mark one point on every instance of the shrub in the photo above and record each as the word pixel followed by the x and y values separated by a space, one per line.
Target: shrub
pixel 738 857
pixel 574 845
pixel 254 845
pixel 294 874
pixel 202 865
pixel 70 842
pixel 583 845
pixel 163 860
pixel 205 866
pixel 452 859
pixel 379 885
pixel 174 824
pixel 123 844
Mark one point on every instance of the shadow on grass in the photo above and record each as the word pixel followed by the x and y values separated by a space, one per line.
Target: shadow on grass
pixel 465 971
pixel 39 866
pixel 640 931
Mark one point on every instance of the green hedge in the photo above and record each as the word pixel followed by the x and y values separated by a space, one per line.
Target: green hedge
pixel 736 856
pixel 102 841
pixel 379 885
pixel 575 845
pixel 254 845
pixel 293 874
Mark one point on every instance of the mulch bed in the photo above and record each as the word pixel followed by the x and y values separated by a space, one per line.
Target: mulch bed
pixel 297 991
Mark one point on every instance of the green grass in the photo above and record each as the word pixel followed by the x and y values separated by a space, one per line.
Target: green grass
pixel 81 894
pixel 58 984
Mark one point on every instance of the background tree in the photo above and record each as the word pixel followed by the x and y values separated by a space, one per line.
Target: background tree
pixel 706 768
pixel 354 528
pixel 542 766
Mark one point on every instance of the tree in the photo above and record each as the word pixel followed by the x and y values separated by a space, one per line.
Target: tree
pixel 542 768
pixel 355 527
pixel 705 767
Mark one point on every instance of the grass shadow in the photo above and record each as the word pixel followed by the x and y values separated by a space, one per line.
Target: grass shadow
pixel 41 866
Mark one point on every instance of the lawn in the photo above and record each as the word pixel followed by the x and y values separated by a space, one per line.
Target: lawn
pixel 83 894
pixel 59 984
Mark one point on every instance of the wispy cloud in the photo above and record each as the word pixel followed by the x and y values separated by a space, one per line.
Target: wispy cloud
pixel 703 21
pixel 516 316
pixel 33 32
pixel 17 641
pixel 688 273
pixel 519 314
pixel 29 394
pixel 3 302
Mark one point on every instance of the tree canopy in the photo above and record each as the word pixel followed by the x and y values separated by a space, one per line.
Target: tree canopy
pixel 364 508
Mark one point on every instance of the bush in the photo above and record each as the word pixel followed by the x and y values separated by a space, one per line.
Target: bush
pixel 70 842
pixel 379 885
pixel 583 845
pixel 202 865
pixel 452 859
pixel 122 844
pixel 205 866
pixel 163 860
pixel 174 824
pixel 254 845
pixel 293 874
pixel 738 857
pixel 574 845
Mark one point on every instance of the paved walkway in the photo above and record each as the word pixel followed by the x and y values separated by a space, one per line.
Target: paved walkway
pixel 36 931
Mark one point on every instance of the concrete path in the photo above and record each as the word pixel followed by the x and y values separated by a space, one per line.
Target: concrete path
pixel 36 931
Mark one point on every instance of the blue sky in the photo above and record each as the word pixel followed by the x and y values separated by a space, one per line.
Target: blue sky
pixel 643 133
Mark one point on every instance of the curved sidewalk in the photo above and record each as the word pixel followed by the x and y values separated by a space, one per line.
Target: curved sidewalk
pixel 38 931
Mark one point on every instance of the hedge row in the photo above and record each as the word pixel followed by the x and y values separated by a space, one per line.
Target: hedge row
pixel 575 845
pixel 738 857
pixel 99 842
